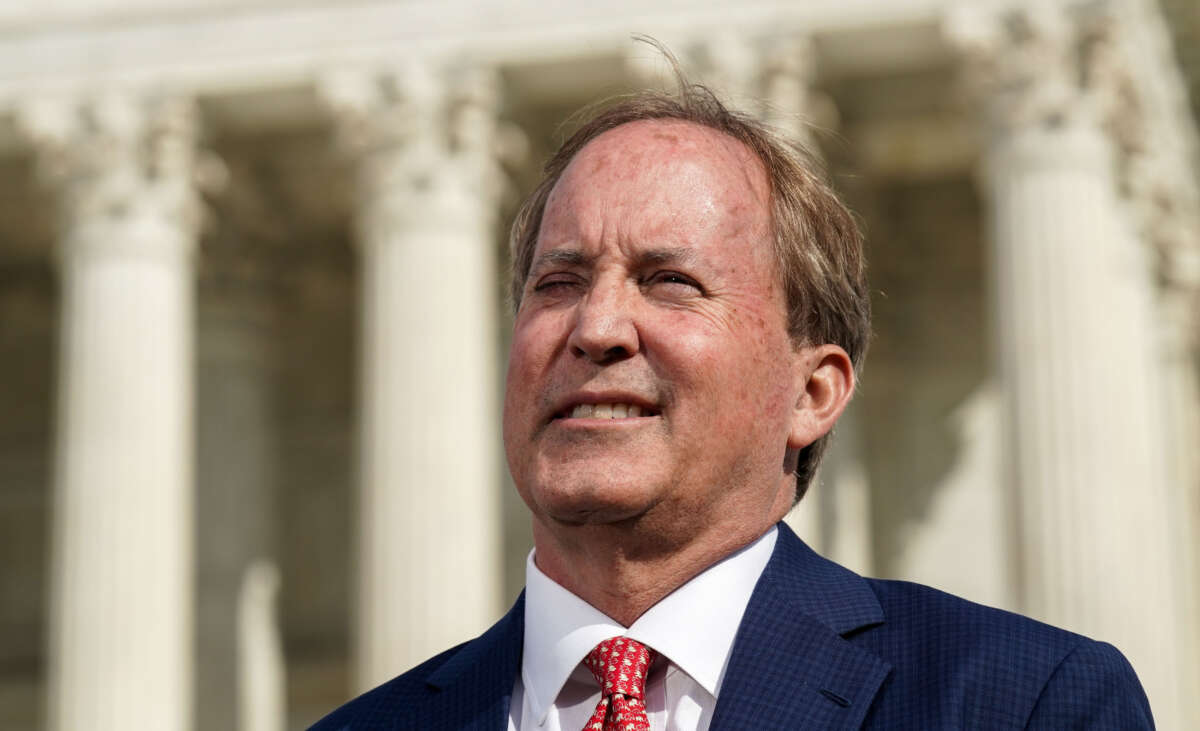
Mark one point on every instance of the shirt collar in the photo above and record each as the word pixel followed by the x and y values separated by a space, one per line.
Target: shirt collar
pixel 561 629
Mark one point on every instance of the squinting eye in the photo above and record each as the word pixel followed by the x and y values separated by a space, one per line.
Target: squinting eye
pixel 674 278
pixel 550 284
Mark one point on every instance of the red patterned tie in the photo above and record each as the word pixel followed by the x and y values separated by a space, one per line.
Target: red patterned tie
pixel 619 666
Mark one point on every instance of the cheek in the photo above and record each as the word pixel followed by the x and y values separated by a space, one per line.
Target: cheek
pixel 739 364
pixel 521 365
pixel 531 355
pixel 533 343
pixel 753 393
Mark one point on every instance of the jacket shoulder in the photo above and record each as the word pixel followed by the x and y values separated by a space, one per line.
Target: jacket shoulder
pixel 989 668
pixel 377 707
pixel 922 614
pixel 1094 686
pixel 466 687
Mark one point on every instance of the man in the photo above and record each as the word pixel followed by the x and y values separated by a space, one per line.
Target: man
pixel 691 307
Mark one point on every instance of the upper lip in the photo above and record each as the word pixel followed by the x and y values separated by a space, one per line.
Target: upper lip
pixel 562 407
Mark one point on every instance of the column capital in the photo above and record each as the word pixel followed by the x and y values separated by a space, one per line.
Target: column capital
pixel 423 136
pixel 732 64
pixel 1044 68
pixel 117 157
pixel 769 77
pixel 790 102
pixel 1150 124
pixel 792 58
pixel 378 109
pixel 1031 66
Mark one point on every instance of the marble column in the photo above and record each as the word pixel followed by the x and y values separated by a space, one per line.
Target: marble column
pixel 1077 348
pixel 1151 122
pixel 121 557
pixel 1181 308
pixel 429 521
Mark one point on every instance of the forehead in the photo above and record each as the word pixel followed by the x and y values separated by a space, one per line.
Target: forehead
pixel 657 142
pixel 661 171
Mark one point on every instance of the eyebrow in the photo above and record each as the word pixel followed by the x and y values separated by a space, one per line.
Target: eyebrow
pixel 671 255
pixel 650 257
pixel 560 257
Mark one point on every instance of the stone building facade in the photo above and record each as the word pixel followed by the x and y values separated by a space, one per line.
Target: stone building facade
pixel 252 324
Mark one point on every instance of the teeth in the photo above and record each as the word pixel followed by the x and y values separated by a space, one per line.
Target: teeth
pixel 606 411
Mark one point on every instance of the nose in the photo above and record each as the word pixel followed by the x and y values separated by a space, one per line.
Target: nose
pixel 605 329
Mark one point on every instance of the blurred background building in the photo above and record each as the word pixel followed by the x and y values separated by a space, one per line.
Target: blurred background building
pixel 252 323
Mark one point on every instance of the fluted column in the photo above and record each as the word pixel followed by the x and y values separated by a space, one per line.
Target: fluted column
pixel 428 571
pixel 1157 143
pixel 1181 308
pixel 121 561
pixel 1077 347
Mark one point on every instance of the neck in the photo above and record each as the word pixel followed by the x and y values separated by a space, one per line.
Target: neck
pixel 623 569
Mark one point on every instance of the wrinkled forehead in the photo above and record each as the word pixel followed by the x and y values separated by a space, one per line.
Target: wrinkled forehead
pixel 669 150
pixel 662 173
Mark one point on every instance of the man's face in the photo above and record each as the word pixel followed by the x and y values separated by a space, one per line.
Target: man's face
pixel 651 376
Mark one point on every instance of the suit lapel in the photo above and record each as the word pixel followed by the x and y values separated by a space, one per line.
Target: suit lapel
pixel 474 688
pixel 791 666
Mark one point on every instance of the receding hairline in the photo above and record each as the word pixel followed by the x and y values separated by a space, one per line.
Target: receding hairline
pixel 742 156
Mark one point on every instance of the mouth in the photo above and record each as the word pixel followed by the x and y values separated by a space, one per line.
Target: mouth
pixel 614 410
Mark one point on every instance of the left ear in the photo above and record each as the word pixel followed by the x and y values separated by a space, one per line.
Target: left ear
pixel 825 380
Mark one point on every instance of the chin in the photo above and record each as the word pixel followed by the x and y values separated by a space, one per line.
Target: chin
pixel 591 503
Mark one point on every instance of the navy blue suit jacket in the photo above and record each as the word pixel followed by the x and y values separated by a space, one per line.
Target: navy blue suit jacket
pixel 821 648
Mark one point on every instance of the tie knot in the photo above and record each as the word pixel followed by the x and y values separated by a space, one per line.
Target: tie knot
pixel 619 665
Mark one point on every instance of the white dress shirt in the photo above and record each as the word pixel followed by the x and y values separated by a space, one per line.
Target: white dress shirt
pixel 692 629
